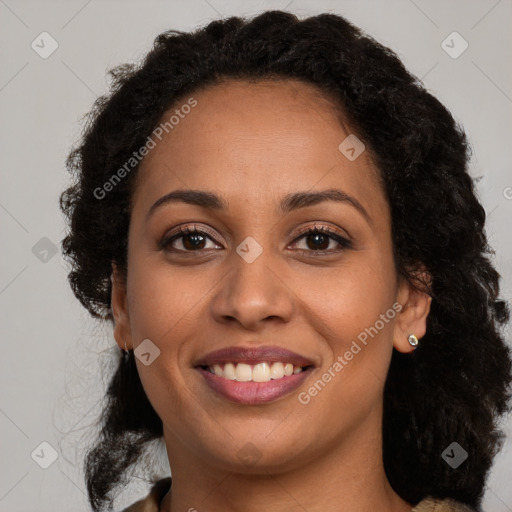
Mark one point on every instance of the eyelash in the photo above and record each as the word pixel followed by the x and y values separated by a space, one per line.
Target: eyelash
pixel 186 230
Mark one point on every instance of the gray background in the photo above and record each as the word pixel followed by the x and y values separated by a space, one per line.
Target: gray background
pixel 55 359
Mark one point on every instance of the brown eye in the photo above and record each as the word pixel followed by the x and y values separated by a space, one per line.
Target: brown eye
pixel 191 240
pixel 318 240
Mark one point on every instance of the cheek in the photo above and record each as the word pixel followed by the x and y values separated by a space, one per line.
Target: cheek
pixel 164 305
pixel 350 298
pixel 352 309
pixel 163 298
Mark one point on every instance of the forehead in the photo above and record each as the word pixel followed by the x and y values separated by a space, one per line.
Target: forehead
pixel 266 139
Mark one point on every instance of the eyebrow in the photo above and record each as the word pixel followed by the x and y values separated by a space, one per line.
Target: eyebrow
pixel 290 202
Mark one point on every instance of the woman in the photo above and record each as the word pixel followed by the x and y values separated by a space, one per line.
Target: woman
pixel 278 220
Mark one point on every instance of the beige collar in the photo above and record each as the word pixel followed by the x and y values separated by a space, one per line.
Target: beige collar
pixel 151 503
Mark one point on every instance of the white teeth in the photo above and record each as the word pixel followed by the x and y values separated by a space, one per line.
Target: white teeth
pixel 277 371
pixel 229 371
pixel 243 372
pixel 261 372
pixel 288 369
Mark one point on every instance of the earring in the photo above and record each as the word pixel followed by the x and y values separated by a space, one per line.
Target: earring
pixel 126 352
pixel 413 341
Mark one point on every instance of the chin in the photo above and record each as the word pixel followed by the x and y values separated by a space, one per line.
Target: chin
pixel 257 454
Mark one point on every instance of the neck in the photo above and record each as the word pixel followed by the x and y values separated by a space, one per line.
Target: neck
pixel 348 476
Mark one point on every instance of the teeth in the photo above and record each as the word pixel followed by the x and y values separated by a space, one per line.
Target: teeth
pixel 277 371
pixel 229 371
pixel 243 372
pixel 261 372
pixel 288 369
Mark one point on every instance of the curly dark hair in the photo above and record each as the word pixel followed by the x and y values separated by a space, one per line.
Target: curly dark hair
pixel 456 385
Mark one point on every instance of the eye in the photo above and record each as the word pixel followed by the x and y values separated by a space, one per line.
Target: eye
pixel 190 239
pixel 319 238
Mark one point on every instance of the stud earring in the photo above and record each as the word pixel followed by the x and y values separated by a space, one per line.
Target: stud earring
pixel 413 341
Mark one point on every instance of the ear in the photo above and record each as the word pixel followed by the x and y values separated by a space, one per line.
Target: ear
pixel 120 312
pixel 412 318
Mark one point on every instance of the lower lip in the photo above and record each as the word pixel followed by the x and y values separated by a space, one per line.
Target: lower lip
pixel 254 392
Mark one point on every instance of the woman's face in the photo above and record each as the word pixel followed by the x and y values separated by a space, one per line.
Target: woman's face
pixel 251 279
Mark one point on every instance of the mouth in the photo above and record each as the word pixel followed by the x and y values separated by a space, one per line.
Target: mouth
pixel 262 372
pixel 254 375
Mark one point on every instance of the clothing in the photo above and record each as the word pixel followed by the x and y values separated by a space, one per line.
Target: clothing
pixel 151 503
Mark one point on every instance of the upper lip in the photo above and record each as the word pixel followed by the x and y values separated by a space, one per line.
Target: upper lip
pixel 253 355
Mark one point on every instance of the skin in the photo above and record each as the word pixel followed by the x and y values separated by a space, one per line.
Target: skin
pixel 254 143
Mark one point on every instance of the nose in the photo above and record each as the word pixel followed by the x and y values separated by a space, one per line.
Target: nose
pixel 254 293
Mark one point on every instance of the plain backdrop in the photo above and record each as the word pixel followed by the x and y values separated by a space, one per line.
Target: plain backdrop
pixel 55 358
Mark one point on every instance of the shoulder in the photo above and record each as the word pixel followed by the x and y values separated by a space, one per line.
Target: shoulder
pixel 430 504
pixel 151 503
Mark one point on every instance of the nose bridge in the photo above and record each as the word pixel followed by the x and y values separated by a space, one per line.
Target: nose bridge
pixel 251 266
pixel 252 291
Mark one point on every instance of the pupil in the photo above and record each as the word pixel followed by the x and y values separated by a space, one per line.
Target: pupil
pixel 198 239
pixel 319 237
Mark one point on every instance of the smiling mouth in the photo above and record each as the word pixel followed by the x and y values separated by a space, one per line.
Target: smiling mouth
pixel 260 372
pixel 254 384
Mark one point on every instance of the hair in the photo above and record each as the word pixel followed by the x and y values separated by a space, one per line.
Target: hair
pixel 457 383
